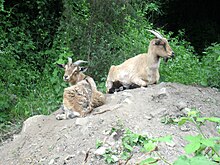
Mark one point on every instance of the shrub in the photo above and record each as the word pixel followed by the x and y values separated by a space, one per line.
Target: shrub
pixel 211 66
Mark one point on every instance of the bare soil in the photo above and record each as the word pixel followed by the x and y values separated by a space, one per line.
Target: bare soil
pixel 45 140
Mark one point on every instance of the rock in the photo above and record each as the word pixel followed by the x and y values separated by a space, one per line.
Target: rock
pixel 51 161
pixel 186 110
pixel 128 101
pixel 162 92
pixel 148 117
pixel 171 144
pixel 82 121
pixel 181 105
pixel 115 158
pixel 100 151
pixel 184 128
pixel 32 121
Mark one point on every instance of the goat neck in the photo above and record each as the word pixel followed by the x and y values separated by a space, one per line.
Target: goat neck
pixel 81 76
pixel 153 60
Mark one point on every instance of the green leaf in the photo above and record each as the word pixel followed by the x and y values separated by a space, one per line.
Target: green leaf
pixel 110 160
pixel 216 158
pixel 208 142
pixel 127 146
pixel 148 161
pixel 197 160
pixel 194 138
pixel 218 58
pixel 193 113
pixel 98 143
pixel 192 147
pixel 211 119
pixel 201 160
pixel 217 147
pixel 182 120
pixel 149 146
pixel 125 155
pixel 164 139
pixel 182 160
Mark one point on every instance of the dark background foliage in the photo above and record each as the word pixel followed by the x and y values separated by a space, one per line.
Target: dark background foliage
pixel 35 35
pixel 199 19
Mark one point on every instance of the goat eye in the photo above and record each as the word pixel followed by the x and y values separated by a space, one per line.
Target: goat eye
pixel 157 43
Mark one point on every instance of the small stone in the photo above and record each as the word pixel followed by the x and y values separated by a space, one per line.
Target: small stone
pixel 148 117
pixel 163 91
pixel 106 132
pixel 171 144
pixel 186 110
pixel 115 158
pixel 128 101
pixel 185 128
pixel 100 151
pixel 181 105
pixel 51 161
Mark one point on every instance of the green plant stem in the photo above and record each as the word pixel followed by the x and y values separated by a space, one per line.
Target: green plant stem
pixel 161 157
pixel 198 127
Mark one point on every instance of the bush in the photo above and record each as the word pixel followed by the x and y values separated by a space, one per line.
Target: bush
pixel 211 66
pixel 34 37
pixel 185 67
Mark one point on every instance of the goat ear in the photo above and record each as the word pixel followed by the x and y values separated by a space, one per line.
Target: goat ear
pixel 157 42
pixel 61 65
pixel 82 69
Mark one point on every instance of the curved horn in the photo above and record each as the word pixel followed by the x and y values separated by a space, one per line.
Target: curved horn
pixel 70 61
pixel 158 35
pixel 78 62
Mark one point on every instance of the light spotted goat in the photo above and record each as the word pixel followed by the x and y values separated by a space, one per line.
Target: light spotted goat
pixel 82 96
pixel 141 70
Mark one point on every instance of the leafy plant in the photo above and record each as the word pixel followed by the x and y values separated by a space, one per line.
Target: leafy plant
pixel 205 149
pixel 129 140
pixel 210 65
pixel 98 143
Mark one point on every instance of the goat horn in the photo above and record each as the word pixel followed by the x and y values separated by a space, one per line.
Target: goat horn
pixel 79 62
pixel 70 61
pixel 157 34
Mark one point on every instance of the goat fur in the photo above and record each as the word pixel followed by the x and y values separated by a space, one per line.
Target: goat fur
pixel 141 70
pixel 82 96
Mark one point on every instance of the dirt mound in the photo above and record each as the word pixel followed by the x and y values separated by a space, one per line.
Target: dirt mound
pixel 45 140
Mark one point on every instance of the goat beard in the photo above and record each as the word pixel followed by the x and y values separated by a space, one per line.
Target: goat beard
pixel 165 59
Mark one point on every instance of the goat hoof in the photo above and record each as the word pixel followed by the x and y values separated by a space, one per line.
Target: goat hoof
pixel 59 117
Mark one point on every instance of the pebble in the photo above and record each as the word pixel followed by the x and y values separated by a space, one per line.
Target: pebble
pixel 128 101
pixel 51 161
pixel 185 128
pixel 100 151
pixel 181 105
pixel 115 158
pixel 171 144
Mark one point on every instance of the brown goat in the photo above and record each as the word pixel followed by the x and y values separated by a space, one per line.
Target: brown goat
pixel 82 96
pixel 141 70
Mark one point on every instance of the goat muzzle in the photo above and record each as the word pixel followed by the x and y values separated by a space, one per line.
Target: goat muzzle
pixel 65 78
pixel 167 58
